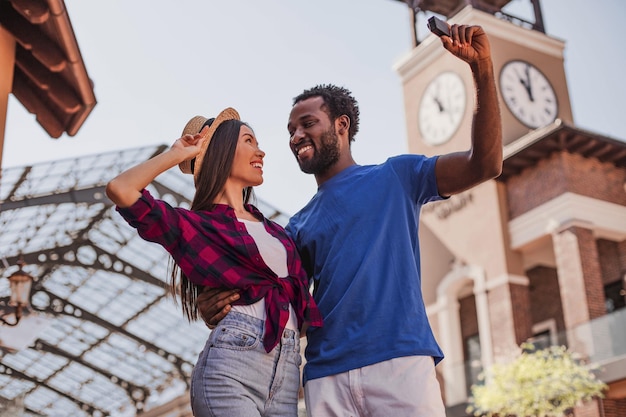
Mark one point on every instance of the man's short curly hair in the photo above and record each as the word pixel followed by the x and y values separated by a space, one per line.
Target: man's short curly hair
pixel 337 101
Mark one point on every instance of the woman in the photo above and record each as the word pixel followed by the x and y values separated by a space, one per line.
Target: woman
pixel 250 364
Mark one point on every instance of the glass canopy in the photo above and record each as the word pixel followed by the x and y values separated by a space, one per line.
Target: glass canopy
pixel 103 337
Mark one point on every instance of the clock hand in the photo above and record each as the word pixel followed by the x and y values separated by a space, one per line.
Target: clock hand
pixel 529 89
pixel 439 105
pixel 436 95
pixel 525 82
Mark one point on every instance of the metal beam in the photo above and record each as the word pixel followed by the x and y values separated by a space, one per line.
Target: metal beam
pixel 136 394
pixel 12 373
pixel 60 306
pixel 88 195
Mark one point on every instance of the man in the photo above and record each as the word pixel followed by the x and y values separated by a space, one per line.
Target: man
pixel 375 354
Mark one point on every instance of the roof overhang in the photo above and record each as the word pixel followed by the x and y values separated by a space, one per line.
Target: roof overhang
pixel 50 78
pixel 559 136
pixel 449 7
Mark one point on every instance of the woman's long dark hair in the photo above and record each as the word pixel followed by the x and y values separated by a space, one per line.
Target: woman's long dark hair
pixel 215 170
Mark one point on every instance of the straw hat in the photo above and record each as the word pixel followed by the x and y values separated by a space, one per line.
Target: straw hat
pixel 195 125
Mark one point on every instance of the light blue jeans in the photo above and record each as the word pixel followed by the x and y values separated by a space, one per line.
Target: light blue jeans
pixel 234 376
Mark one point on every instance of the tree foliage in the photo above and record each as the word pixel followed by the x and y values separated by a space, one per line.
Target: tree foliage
pixel 538 383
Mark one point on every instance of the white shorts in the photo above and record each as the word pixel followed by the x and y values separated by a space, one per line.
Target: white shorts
pixel 400 387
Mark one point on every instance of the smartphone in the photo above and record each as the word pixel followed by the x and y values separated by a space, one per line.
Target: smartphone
pixel 438 26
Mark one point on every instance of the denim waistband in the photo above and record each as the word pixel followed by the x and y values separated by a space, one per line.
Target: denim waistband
pixel 253 324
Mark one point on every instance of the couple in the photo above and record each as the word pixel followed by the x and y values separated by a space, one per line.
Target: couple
pixel 370 347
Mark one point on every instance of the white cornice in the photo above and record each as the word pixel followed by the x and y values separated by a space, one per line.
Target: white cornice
pixel 607 220
pixel 530 138
pixel 506 279
pixel 419 58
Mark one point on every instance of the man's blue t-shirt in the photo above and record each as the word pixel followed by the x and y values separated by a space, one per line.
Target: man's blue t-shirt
pixel 358 240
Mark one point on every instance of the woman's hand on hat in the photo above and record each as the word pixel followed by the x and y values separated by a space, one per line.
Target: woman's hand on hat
pixel 189 145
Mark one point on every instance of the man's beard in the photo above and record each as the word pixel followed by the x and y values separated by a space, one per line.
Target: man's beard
pixel 326 155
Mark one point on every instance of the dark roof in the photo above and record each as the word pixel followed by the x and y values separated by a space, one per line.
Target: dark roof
pixel 449 7
pixel 50 78
pixel 108 339
pixel 560 137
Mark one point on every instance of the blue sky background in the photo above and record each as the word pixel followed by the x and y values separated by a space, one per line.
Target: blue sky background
pixel 156 63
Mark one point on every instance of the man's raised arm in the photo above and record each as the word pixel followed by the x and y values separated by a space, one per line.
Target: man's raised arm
pixel 460 171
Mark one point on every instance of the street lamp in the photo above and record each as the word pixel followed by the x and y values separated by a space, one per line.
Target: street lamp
pixel 20 284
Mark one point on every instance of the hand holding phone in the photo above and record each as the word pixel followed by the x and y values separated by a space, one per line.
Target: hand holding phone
pixel 438 26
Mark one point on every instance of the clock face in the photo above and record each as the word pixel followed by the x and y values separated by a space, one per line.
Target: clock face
pixel 528 94
pixel 442 107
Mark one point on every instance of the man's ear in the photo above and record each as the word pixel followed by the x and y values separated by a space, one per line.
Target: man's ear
pixel 342 124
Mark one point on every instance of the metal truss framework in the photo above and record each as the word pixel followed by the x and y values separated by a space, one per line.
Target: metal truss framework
pixel 114 342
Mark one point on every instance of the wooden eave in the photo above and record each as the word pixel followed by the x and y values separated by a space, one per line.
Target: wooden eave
pixel 50 78
pixel 539 144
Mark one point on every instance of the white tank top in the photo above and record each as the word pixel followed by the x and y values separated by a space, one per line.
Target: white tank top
pixel 275 256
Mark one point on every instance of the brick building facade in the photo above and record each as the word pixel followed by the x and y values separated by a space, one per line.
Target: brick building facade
pixel 537 254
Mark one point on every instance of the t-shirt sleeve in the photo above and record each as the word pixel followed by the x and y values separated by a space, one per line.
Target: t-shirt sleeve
pixel 417 174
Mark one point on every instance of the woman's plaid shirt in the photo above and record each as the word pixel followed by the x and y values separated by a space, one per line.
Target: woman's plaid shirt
pixel 214 249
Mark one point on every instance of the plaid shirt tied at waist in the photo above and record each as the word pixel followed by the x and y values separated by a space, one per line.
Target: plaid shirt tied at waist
pixel 214 249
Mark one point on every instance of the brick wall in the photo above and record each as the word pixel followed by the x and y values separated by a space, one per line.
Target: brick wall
pixel 614 407
pixel 608 253
pixel 606 407
pixel 590 177
pixel 592 272
pixel 522 316
pixel 469 319
pixel 536 185
pixel 621 253
pixel 564 172
pixel 545 296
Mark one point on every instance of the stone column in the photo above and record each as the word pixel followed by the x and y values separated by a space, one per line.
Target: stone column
pixel 482 315
pixel 452 366
pixel 509 315
pixel 580 284
pixel 450 334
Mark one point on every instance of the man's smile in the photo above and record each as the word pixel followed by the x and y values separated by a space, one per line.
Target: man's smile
pixel 303 149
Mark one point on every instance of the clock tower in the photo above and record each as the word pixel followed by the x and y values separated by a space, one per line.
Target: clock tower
pixel 489 254
pixel 536 255
pixel 439 92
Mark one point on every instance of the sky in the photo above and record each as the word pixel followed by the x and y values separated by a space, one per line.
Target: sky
pixel 156 63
